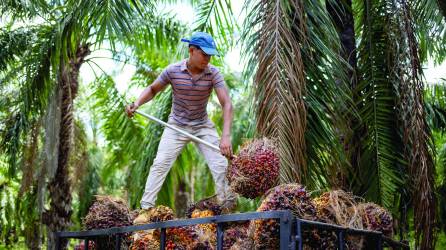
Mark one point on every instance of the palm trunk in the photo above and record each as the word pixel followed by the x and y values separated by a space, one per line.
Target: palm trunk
pixel 181 199
pixel 442 6
pixel 58 217
pixel 342 16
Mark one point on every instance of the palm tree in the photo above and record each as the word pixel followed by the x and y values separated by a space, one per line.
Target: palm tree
pixel 67 31
pixel 307 77
pixel 52 68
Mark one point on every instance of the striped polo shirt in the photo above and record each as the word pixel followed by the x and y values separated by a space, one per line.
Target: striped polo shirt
pixel 190 94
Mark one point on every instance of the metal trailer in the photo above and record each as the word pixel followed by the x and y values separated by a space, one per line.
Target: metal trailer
pixel 291 231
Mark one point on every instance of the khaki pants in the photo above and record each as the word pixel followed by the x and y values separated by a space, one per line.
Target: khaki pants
pixel 169 148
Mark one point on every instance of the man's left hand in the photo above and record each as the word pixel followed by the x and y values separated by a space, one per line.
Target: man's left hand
pixel 226 147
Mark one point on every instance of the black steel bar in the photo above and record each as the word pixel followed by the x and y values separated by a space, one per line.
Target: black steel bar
pixel 118 242
pixel 341 239
pixel 57 239
pixel 285 230
pixel 292 233
pixel 220 233
pixel 175 223
pixel 395 244
pixel 380 242
pixel 299 234
pixel 163 239
pixel 317 224
pixel 86 241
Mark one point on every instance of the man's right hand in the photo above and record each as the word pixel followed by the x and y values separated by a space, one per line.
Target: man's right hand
pixel 130 109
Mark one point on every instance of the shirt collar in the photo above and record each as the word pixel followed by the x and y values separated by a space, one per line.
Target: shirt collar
pixel 183 67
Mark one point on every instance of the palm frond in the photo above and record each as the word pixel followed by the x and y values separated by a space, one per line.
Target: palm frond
pixel 23 9
pixel 435 106
pixel 109 19
pixel 216 18
pixel 416 132
pixel 279 81
pixel 328 99
pixel 13 43
pixel 300 86
pixel 156 44
pixel 430 28
pixel 383 151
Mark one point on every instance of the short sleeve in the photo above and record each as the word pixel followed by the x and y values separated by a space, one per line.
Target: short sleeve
pixel 218 81
pixel 164 78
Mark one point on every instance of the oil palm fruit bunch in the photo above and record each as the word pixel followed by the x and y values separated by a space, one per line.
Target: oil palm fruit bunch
pixel 161 213
pixel 107 212
pixel 81 245
pixel 205 208
pixel 182 237
pixel 291 197
pixel 375 217
pixel 337 207
pixel 144 240
pixel 255 169
pixel 209 203
pixel 206 232
pixel 234 234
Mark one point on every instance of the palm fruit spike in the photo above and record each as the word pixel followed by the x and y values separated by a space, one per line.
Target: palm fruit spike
pixel 291 197
pixel 337 207
pixel 376 218
pixel 209 203
pixel 255 169
pixel 158 214
pixel 182 237
pixel 234 234
pixel 161 213
pixel 107 212
pixel 144 240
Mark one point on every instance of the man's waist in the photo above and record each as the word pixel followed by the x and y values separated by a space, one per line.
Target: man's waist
pixel 183 121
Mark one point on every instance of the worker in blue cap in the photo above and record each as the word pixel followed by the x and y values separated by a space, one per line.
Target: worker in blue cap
pixel 192 81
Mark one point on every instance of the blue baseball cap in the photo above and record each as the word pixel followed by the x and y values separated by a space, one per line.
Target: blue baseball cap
pixel 204 41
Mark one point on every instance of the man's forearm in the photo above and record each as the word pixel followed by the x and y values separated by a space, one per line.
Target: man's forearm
pixel 145 96
pixel 227 119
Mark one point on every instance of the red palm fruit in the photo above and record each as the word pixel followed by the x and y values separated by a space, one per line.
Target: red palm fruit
pixel 255 169
pixel 107 212
pixel 291 197
pixel 375 217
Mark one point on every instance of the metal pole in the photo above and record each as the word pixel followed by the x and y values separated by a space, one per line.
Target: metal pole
pixel 163 239
pixel 118 242
pixel 299 234
pixel 220 236
pixel 380 242
pixel 341 240
pixel 192 137
pixel 285 230
pixel 57 239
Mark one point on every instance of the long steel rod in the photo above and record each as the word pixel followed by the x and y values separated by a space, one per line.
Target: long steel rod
pixel 192 137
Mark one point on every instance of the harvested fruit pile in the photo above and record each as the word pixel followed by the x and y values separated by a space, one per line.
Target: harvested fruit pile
pixel 81 245
pixel 376 218
pixel 293 197
pixel 208 207
pixel 235 235
pixel 176 238
pixel 161 213
pixel 255 169
pixel 205 204
pixel 107 212
pixel 337 207
pixel 144 240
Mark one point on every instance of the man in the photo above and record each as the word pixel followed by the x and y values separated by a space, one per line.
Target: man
pixel 192 82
